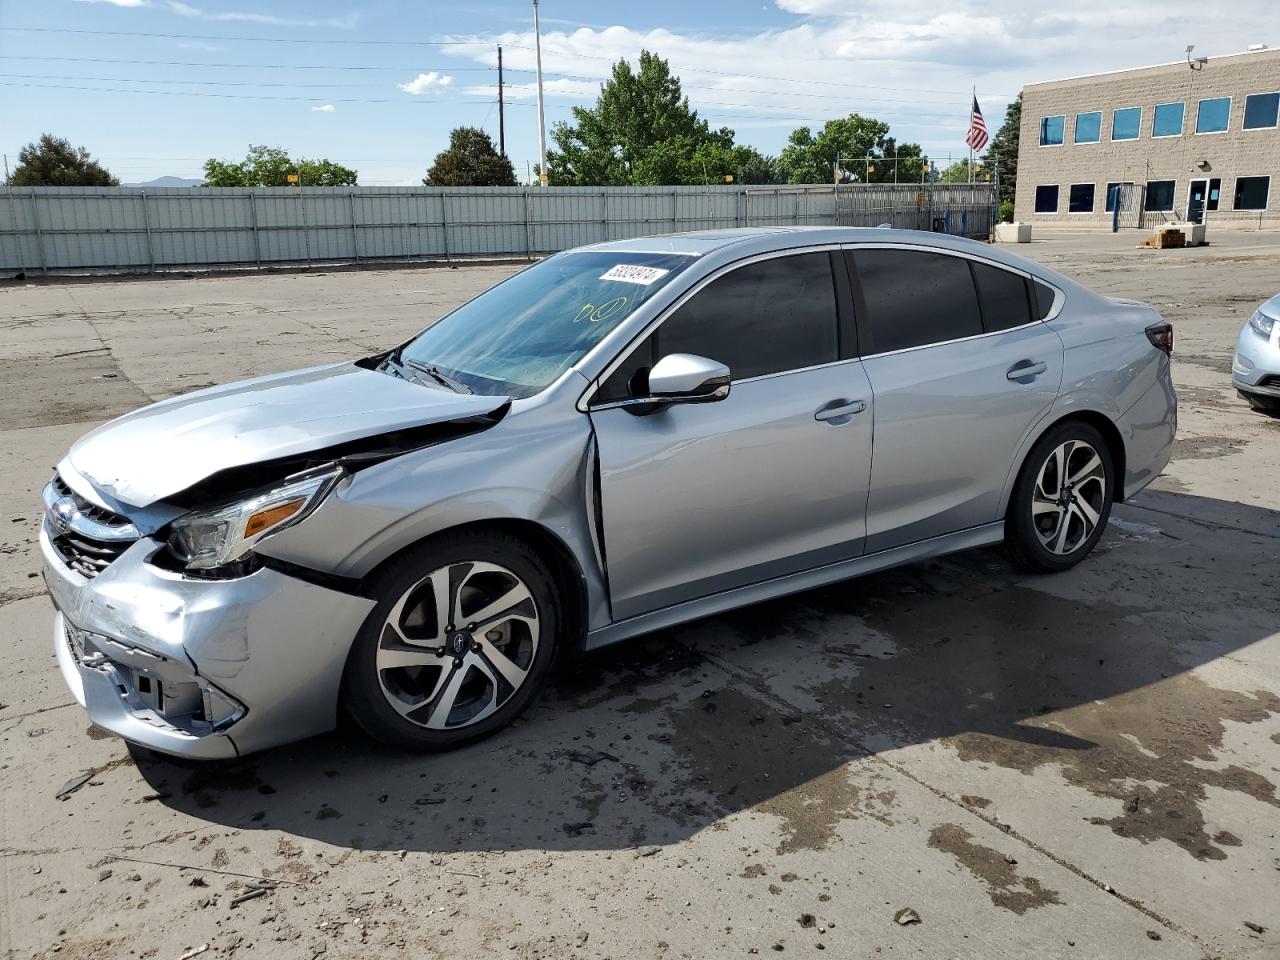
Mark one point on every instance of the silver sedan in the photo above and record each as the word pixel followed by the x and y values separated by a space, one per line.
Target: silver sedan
pixel 617 439
pixel 1255 370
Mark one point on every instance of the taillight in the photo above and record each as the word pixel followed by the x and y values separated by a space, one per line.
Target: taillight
pixel 1161 336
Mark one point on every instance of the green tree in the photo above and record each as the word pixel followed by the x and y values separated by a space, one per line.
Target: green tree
pixel 270 167
pixel 52 162
pixel 642 132
pixel 1002 151
pixel 958 172
pixel 861 144
pixel 471 161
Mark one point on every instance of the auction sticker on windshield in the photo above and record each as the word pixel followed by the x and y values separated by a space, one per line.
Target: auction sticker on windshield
pixel 632 273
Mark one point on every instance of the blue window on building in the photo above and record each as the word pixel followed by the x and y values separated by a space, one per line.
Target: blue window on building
pixel 1260 110
pixel 1089 127
pixel 1168 120
pixel 1126 123
pixel 1051 129
pixel 1213 115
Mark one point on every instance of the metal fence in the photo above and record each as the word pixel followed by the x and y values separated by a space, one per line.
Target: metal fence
pixel 86 228
pixel 963 209
pixel 45 229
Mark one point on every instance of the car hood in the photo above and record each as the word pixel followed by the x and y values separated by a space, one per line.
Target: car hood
pixel 163 449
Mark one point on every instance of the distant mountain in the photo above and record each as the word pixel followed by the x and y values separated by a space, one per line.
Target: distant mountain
pixel 168 182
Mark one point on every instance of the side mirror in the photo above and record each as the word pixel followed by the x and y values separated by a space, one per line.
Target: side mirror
pixel 686 378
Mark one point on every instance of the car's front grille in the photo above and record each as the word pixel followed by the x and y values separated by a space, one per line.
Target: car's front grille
pixel 87 537
pixel 87 509
pixel 1270 380
pixel 86 555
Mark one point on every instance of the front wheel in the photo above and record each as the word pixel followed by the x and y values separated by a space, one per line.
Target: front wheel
pixel 1062 499
pixel 461 639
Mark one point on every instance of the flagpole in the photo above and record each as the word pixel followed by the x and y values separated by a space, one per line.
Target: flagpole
pixel 973 99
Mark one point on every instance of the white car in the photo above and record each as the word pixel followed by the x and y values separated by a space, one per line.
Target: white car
pixel 1255 371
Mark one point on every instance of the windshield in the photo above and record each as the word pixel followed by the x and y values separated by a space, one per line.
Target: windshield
pixel 517 338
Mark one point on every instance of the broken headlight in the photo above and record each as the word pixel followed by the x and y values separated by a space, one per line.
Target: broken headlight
pixel 208 539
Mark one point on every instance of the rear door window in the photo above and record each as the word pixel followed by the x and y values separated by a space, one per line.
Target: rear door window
pixel 911 298
pixel 1003 296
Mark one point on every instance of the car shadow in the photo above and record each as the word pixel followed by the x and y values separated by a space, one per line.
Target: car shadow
pixel 649 742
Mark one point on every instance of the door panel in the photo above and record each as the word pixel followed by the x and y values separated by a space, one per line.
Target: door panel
pixel 948 420
pixel 700 498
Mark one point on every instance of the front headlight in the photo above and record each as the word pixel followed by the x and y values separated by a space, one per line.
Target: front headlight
pixel 206 539
pixel 1262 324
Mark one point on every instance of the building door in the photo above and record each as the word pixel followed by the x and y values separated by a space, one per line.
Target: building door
pixel 1203 196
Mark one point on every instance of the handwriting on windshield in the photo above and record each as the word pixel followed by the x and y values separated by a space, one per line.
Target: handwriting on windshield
pixel 590 313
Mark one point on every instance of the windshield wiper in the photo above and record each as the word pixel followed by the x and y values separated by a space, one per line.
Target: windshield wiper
pixel 457 386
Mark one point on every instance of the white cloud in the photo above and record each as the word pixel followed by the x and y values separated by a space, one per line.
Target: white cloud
pixel 426 83
pixel 268 19
pixel 327 108
pixel 121 3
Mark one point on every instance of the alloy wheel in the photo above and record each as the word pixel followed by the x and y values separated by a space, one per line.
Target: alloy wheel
pixel 1069 497
pixel 457 645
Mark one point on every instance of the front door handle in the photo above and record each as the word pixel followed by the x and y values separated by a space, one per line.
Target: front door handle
pixel 839 410
pixel 1026 369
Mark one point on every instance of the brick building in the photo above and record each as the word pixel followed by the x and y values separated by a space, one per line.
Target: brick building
pixel 1179 141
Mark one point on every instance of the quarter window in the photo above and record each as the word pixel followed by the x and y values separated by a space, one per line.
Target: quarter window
pixel 1159 196
pixel 1126 123
pixel 1213 115
pixel 1251 193
pixel 1003 296
pixel 1089 127
pixel 1051 129
pixel 914 298
pixel 1168 120
pixel 1044 298
pixel 1261 110
pixel 1047 198
pixel 1080 200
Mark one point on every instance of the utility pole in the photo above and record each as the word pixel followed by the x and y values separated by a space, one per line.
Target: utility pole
pixel 542 126
pixel 502 124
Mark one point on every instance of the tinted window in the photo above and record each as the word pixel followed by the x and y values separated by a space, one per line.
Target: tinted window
pixel 1044 298
pixel 1113 192
pixel 1003 296
pixel 765 317
pixel 1213 115
pixel 1159 195
pixel 1051 131
pixel 1251 193
pixel 1125 123
pixel 1080 200
pixel 1047 198
pixel 915 298
pixel 1261 110
pixel 1089 127
pixel 1168 120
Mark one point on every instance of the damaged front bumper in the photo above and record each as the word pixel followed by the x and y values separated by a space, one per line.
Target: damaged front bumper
pixel 200 668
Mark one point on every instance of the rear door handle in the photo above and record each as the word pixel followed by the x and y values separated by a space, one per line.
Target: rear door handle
pixel 1026 369
pixel 839 410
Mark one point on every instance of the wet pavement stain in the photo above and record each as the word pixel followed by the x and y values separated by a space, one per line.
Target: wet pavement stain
pixel 1030 680
pixel 1005 886
pixel 788 770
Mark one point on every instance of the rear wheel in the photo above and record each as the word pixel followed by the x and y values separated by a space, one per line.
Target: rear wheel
pixel 461 639
pixel 1062 499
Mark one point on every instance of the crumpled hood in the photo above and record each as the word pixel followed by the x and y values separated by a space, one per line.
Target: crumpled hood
pixel 160 450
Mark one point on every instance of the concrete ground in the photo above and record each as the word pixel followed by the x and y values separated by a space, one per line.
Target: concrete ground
pixel 1082 765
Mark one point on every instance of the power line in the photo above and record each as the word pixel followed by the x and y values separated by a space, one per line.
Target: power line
pixel 196 36
pixel 252 66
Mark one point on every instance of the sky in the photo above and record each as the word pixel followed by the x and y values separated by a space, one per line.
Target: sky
pixel 155 87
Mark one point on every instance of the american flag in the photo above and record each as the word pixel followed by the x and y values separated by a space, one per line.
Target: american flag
pixel 977 135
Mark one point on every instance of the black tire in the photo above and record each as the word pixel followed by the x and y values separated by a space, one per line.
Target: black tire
pixel 1267 405
pixel 368 691
pixel 1025 532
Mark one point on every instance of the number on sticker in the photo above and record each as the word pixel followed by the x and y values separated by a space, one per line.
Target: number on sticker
pixel 634 273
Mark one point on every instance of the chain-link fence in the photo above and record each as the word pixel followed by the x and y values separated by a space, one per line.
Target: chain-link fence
pixel 962 209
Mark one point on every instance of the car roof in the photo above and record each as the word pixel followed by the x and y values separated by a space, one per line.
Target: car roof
pixel 749 241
